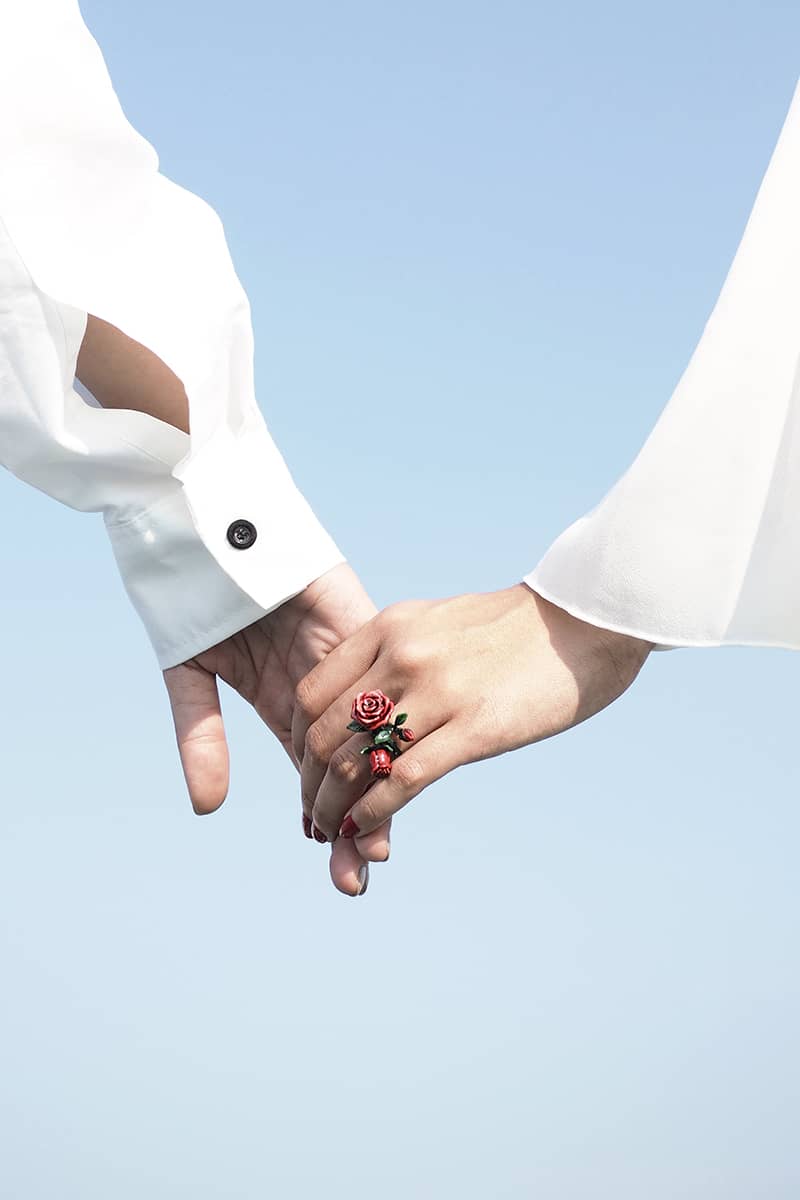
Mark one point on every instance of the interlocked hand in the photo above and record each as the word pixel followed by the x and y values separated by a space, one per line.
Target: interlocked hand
pixel 477 675
pixel 264 663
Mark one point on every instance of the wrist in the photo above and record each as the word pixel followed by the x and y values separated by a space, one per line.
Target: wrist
pixel 627 654
pixel 605 660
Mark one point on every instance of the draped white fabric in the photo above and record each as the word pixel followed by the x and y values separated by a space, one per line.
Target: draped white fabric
pixel 88 225
pixel 698 544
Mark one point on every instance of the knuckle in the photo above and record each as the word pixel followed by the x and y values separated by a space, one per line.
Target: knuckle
pixel 345 767
pixel 409 774
pixel 408 657
pixel 382 622
pixel 304 698
pixel 393 619
pixel 395 614
pixel 316 746
pixel 368 814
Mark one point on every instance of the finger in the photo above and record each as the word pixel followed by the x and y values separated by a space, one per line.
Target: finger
pixel 349 770
pixel 336 674
pixel 425 762
pixel 349 872
pixel 326 737
pixel 194 699
pixel 376 846
pixel 373 847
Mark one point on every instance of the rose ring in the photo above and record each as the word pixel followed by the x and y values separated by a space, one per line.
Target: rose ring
pixel 372 713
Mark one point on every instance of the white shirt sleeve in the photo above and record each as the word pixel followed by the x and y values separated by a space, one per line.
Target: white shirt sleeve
pixel 209 531
pixel 698 544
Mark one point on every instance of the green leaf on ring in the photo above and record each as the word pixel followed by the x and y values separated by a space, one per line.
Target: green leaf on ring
pixel 366 750
pixel 401 720
pixel 382 737
pixel 357 727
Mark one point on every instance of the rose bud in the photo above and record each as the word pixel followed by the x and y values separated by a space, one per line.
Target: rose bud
pixel 407 735
pixel 380 762
pixel 372 709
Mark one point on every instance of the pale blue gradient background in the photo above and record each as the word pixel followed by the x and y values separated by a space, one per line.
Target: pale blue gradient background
pixel 481 241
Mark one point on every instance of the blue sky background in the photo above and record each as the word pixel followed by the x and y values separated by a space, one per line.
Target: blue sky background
pixel 481 241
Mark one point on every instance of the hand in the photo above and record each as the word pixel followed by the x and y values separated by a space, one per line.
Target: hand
pixel 477 675
pixel 264 664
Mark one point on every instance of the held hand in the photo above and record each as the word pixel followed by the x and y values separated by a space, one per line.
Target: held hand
pixel 477 675
pixel 264 664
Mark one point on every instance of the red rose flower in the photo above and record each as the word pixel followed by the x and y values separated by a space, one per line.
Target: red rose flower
pixel 372 709
pixel 380 762
pixel 406 735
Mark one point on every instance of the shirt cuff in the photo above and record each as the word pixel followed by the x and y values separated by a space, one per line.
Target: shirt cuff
pixel 231 540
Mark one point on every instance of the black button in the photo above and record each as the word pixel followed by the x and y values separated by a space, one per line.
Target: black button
pixel 242 534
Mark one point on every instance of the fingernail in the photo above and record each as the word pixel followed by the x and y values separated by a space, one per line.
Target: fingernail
pixel 363 880
pixel 318 834
pixel 349 828
pixel 307 826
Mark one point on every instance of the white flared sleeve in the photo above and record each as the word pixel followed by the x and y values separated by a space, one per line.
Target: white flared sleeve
pixel 698 544
pixel 209 531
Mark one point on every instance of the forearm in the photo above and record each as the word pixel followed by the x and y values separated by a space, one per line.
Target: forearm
pixel 121 373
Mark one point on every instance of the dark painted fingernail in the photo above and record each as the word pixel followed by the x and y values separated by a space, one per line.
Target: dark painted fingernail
pixel 349 828
pixel 307 826
pixel 318 834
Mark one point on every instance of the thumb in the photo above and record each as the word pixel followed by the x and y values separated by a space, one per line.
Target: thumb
pixel 194 699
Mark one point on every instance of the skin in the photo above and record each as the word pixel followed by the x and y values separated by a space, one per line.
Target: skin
pixel 479 675
pixel 121 373
pixel 263 663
